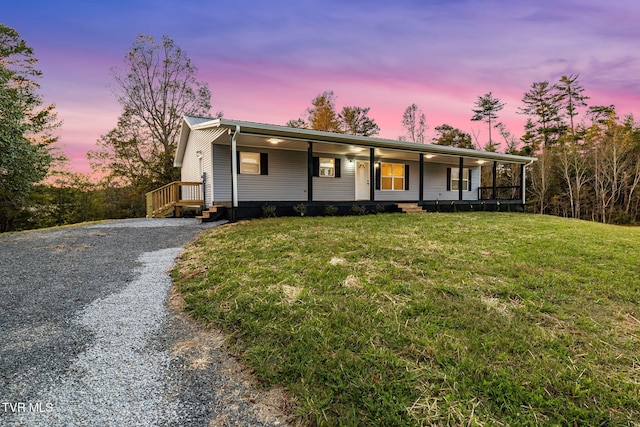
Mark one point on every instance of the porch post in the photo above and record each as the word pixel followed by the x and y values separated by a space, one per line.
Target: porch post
pixel 372 175
pixel 234 168
pixel 495 173
pixel 310 172
pixel 204 191
pixel 523 180
pixel 421 187
pixel 460 176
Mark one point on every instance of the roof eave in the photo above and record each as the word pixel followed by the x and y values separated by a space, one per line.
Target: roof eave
pixel 185 130
pixel 322 136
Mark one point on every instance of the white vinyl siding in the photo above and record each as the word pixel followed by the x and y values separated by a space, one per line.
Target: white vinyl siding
pixel 342 189
pixel 286 179
pixel 221 173
pixel 190 171
pixel 435 183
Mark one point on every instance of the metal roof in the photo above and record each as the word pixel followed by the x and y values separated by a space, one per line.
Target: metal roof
pixel 193 120
pixel 267 130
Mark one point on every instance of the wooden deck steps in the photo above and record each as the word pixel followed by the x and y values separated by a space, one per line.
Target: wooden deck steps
pixel 410 208
pixel 170 200
pixel 211 214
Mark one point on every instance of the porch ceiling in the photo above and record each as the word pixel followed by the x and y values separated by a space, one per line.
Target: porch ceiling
pixel 348 150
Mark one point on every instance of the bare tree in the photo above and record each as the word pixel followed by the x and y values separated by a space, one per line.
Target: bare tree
pixel 611 163
pixel 157 87
pixel 415 123
pixel 574 167
pixel 541 176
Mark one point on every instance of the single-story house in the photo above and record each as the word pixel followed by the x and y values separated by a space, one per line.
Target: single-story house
pixel 244 166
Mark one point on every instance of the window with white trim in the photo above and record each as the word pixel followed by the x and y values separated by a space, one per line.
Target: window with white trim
pixel 327 167
pixel 249 163
pixel 455 179
pixel 392 176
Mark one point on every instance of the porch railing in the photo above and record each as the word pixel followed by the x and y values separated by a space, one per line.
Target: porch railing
pixel 513 192
pixel 169 199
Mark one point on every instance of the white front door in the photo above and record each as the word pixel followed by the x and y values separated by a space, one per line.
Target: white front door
pixel 362 180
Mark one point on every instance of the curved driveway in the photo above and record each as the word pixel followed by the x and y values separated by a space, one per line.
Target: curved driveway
pixel 87 336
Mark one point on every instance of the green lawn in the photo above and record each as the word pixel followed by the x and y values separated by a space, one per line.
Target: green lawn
pixel 437 319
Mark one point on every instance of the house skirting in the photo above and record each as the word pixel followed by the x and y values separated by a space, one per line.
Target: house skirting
pixel 259 209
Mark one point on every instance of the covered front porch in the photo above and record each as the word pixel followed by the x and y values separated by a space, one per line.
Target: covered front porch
pixel 246 166
pixel 279 169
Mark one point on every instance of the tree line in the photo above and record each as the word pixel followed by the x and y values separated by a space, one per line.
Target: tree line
pixel 588 157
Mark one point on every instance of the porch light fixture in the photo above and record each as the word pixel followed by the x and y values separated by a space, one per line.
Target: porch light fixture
pixel 199 154
pixel 275 141
pixel 429 156
pixel 481 162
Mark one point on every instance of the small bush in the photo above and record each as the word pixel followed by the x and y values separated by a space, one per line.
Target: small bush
pixel 380 209
pixel 301 209
pixel 358 210
pixel 269 211
pixel 330 210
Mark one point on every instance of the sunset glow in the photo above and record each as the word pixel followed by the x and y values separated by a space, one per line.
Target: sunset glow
pixel 265 61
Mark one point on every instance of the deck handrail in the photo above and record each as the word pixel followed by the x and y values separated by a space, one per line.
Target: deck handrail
pixel 177 193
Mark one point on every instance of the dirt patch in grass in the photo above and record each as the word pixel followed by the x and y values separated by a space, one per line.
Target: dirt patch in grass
pixel 202 349
pixel 337 261
pixel 351 282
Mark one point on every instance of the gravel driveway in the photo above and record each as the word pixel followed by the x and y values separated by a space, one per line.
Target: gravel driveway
pixel 90 336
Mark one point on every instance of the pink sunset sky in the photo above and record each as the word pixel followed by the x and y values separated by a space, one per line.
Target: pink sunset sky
pixel 265 60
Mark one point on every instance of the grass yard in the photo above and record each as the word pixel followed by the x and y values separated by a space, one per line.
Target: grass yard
pixel 437 319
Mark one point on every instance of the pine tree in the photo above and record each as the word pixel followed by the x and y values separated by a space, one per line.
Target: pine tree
pixel 570 98
pixel 486 110
pixel 542 105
